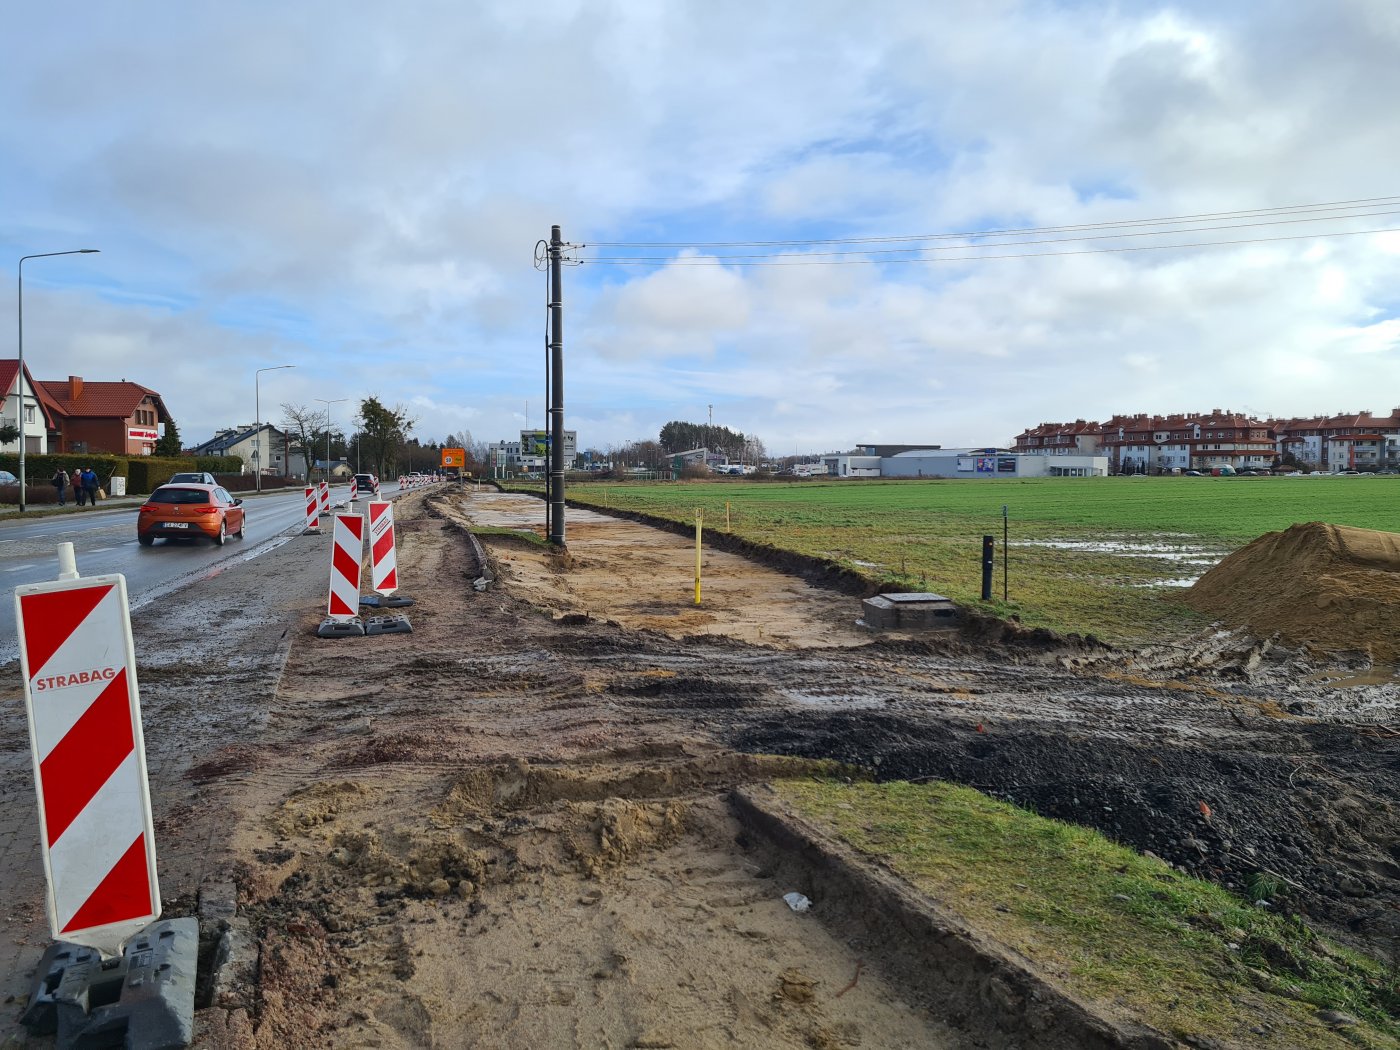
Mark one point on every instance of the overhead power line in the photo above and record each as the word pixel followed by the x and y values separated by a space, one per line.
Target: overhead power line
pixel 979 258
pixel 1280 211
pixel 973 246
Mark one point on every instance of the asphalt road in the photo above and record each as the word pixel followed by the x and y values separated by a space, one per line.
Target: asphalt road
pixel 104 542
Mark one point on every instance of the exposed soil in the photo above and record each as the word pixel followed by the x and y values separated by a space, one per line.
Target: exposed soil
pixel 512 828
pixel 1327 587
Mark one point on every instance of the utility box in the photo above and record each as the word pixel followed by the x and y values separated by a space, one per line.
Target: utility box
pixel 918 611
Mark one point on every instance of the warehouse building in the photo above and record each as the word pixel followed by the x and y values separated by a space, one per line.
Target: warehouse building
pixel 964 463
pixel 989 463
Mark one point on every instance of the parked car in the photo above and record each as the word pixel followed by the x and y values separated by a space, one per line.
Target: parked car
pixel 1192 474
pixel 188 511
pixel 198 477
pixel 6 478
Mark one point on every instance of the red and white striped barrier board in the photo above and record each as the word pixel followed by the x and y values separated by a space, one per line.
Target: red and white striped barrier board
pixel 376 488
pixel 354 488
pixel 325 498
pixel 313 511
pixel 80 694
pixel 383 561
pixel 401 484
pixel 346 557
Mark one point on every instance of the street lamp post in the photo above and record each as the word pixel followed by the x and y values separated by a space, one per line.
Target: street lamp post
pixel 19 379
pixel 257 422
pixel 323 401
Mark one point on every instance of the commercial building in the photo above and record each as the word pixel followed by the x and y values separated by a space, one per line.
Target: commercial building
pixel 531 452
pixel 975 463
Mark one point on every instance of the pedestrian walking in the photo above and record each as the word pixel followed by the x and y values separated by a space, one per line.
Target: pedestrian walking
pixel 60 484
pixel 77 480
pixel 90 485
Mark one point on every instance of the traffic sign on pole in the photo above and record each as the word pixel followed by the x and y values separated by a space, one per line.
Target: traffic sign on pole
pixel 79 671
pixel 384 575
pixel 346 557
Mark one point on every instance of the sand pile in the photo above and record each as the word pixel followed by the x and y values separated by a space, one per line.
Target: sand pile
pixel 1328 587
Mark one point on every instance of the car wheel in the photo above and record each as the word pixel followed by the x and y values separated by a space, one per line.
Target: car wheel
pixel 223 533
pixel 145 541
pixel 242 524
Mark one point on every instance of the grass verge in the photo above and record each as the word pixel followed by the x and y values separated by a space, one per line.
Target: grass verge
pixel 1102 556
pixel 1108 924
pixel 526 536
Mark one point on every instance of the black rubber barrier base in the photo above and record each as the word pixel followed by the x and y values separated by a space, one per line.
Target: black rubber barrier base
pixel 388 625
pixel 143 1000
pixel 351 628
pixel 381 601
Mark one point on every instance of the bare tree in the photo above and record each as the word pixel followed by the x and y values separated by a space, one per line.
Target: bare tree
pixel 305 423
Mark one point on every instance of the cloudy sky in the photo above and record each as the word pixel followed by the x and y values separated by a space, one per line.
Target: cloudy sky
pixel 357 189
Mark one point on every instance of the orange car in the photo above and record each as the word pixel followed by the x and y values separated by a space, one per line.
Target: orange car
pixel 189 510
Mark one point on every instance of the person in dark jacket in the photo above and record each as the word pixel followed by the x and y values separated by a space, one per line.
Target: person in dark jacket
pixel 90 485
pixel 60 484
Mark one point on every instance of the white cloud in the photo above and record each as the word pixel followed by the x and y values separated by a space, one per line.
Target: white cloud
pixel 360 190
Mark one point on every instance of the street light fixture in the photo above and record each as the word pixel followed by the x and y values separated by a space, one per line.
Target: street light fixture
pixel 323 401
pixel 257 422
pixel 19 380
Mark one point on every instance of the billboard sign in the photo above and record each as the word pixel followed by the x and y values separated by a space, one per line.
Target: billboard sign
pixel 534 442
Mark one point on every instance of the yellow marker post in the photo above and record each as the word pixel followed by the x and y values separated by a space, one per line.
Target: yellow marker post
pixel 699 527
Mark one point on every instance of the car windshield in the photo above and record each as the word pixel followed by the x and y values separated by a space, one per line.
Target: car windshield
pixel 174 495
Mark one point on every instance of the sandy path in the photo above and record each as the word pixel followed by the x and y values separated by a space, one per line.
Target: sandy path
pixel 644 579
pixel 464 837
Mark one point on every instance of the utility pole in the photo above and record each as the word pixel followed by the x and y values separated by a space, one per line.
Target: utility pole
pixel 556 403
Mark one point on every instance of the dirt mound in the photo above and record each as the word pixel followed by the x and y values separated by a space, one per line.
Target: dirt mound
pixel 1327 587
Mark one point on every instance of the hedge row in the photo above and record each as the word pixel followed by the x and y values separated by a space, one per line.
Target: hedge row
pixel 143 473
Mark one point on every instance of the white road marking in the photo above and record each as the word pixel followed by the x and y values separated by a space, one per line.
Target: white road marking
pixel 21 568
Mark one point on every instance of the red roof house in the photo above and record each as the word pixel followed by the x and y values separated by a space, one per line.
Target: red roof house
pixel 118 417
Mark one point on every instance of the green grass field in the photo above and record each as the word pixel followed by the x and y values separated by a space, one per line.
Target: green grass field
pixel 1091 555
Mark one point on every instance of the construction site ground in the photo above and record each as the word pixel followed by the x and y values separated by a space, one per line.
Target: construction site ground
pixel 517 827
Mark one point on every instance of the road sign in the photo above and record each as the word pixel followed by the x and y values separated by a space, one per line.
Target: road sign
pixel 83 706
pixel 454 457
pixel 384 575
pixel 347 554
